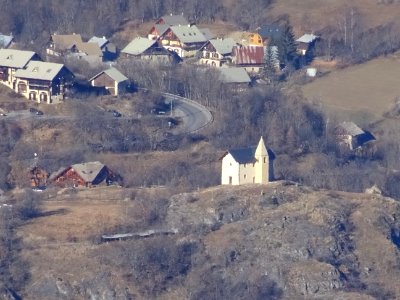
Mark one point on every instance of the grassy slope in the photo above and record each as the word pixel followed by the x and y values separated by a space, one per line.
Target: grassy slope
pixel 368 89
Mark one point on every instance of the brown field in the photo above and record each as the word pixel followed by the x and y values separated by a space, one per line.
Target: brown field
pixel 363 92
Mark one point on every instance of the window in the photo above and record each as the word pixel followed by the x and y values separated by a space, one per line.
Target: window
pixel 265 160
pixel 244 176
pixel 230 179
pixel 244 166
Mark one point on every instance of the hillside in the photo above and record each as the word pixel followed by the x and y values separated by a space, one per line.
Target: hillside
pixel 279 241
pixel 314 15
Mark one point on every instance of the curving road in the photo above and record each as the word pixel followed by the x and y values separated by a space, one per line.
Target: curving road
pixel 194 116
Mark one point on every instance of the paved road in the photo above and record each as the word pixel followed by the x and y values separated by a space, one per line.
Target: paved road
pixel 194 116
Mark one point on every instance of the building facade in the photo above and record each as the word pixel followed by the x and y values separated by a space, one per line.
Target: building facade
pixel 247 165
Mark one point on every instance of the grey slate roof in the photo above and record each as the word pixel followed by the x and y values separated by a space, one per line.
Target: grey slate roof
pixel 114 74
pixel 307 38
pixel 207 33
pixel 172 20
pixel 101 41
pixel 243 155
pixel 223 46
pixel 270 31
pixel 15 58
pixel 138 46
pixel 351 128
pixel 188 34
pixel 5 40
pixel 234 75
pixel 161 28
pixel 39 70
pixel 88 171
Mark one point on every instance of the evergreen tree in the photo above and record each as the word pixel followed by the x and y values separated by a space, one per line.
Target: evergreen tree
pixel 271 62
pixel 287 47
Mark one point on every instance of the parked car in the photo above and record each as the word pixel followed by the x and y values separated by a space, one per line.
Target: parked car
pixel 36 111
pixel 3 114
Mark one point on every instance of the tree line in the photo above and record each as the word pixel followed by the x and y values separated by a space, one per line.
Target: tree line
pixel 35 20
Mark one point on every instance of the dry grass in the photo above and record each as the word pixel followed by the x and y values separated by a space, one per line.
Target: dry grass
pixel 313 15
pixel 363 92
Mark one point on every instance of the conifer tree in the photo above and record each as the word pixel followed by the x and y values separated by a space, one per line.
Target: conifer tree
pixel 287 47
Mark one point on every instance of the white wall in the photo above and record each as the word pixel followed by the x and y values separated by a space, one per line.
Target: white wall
pixel 230 168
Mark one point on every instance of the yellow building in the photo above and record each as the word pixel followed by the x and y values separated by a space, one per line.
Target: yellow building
pixel 247 165
pixel 255 40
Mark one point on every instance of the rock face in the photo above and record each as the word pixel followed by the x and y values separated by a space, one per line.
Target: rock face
pixel 311 244
pixel 275 241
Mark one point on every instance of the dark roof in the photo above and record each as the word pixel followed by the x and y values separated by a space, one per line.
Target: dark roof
pixel 243 155
pixel 173 20
pixel 270 31
pixel 247 155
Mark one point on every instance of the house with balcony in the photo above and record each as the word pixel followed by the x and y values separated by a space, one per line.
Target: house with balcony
pixel 185 41
pixel 11 61
pixel 217 52
pixel 42 81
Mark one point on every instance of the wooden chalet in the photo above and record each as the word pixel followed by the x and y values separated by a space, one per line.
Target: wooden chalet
pixel 43 81
pixel 86 174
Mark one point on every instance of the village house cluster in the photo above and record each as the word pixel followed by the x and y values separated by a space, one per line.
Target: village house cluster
pixel 172 39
